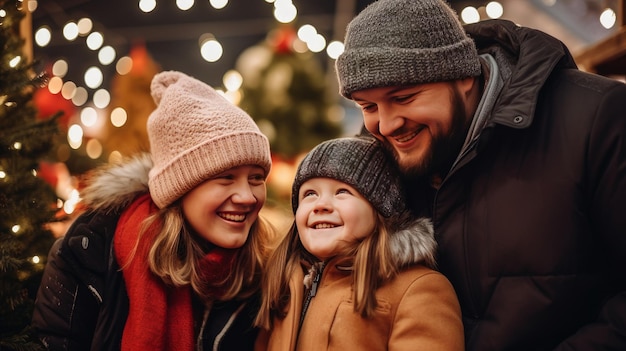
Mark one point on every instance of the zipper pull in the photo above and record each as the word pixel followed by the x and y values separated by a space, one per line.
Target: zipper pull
pixel 316 281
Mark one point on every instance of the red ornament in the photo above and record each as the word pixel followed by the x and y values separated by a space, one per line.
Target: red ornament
pixel 282 40
pixel 49 104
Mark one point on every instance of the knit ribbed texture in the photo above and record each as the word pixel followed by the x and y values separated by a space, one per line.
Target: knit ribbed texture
pixel 195 134
pixel 405 42
pixel 360 162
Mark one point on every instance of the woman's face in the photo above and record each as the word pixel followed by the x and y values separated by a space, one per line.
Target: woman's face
pixel 332 216
pixel 222 209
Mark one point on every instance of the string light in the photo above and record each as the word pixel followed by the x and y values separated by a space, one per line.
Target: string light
pixel 106 55
pixel 218 4
pixel 59 68
pixel 84 26
pixel 470 15
pixel 494 9
pixel 93 77
pixel 118 117
pixel 15 61
pixel 147 5
pixel 184 4
pixel 70 31
pixel 70 204
pixel 334 49
pixel 284 11
pixel 101 98
pixel 608 18
pixel 43 36
pixel 80 96
pixel 93 149
pixel 75 136
pixel 95 40
pixel 68 90
pixel 232 80
pixel 88 116
pixel 211 50
pixel 124 65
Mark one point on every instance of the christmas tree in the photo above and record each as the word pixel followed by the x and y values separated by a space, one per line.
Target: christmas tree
pixel 27 202
pixel 286 93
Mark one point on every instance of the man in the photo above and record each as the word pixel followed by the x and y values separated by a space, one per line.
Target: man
pixel 525 157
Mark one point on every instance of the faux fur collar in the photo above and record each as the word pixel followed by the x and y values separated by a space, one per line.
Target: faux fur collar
pixel 415 243
pixel 115 186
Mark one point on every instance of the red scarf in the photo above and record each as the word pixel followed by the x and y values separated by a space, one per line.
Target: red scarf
pixel 160 316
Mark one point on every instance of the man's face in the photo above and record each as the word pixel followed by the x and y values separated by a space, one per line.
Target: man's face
pixel 424 125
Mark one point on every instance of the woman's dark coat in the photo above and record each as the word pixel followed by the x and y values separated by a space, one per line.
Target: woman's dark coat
pixel 82 303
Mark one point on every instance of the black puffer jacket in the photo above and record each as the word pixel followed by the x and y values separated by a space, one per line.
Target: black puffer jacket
pixel 82 302
pixel 531 222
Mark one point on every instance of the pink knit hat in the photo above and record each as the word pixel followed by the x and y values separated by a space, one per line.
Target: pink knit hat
pixel 195 133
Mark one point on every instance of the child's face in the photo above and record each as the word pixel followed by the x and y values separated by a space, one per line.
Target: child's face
pixel 332 215
pixel 222 209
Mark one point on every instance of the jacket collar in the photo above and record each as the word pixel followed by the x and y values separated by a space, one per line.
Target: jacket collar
pixel 528 57
pixel 113 187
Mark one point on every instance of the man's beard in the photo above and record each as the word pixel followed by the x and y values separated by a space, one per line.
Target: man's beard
pixel 444 148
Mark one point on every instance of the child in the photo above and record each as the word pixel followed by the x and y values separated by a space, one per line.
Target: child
pixel 170 252
pixel 354 272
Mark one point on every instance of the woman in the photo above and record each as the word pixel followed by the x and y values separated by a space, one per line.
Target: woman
pixel 170 252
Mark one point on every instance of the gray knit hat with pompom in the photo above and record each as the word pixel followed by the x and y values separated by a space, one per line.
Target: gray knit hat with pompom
pixel 361 162
pixel 405 42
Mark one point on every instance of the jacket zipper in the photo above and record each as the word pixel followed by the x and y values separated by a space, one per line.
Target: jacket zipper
pixel 458 163
pixel 218 339
pixel 311 294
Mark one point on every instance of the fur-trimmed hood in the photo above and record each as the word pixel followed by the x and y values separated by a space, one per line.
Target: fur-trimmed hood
pixel 414 243
pixel 113 187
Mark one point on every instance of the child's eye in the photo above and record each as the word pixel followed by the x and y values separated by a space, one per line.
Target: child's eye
pixel 308 193
pixel 343 191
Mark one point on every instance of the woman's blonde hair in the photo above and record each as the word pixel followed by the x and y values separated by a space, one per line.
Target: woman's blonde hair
pixel 372 266
pixel 175 254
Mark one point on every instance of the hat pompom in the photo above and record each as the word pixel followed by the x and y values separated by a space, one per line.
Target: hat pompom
pixel 161 82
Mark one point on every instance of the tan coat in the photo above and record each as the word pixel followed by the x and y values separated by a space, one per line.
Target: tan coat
pixel 418 310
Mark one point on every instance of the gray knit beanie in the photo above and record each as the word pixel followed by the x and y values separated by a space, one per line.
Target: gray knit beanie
pixel 195 134
pixel 405 42
pixel 361 162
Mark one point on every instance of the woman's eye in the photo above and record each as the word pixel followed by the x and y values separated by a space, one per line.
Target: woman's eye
pixel 257 178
